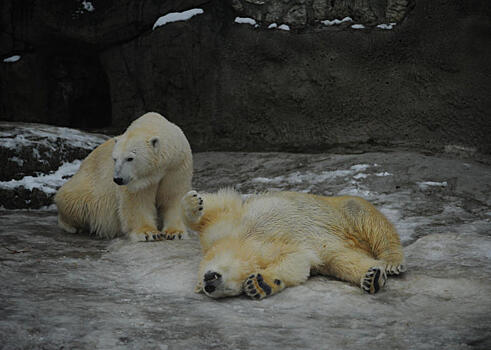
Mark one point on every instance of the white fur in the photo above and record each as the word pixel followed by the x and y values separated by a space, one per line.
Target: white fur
pixel 283 236
pixel 154 161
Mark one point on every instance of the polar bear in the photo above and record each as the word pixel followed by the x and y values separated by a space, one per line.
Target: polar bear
pixel 267 242
pixel 129 183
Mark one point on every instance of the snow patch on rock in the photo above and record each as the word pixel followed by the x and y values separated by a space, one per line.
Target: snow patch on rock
pixel 336 21
pixel 246 20
pixel 32 135
pixel 47 183
pixel 177 17
pixel 386 26
pixel 87 6
pixel 11 59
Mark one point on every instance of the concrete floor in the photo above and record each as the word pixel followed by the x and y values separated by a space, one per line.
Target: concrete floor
pixel 71 291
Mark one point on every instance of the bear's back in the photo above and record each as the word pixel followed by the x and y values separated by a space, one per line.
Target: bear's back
pixel 151 121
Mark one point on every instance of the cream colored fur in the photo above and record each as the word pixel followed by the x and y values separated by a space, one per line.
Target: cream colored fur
pixel 275 240
pixel 153 160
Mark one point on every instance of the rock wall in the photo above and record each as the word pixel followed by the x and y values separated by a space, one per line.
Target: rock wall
pixel 423 83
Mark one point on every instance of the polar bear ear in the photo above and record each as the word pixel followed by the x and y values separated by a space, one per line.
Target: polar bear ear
pixel 154 141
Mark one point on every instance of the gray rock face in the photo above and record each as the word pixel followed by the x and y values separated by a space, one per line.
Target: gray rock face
pixel 299 13
pixel 425 83
pixel 72 291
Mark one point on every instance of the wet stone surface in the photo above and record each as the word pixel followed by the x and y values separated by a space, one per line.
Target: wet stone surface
pixel 72 291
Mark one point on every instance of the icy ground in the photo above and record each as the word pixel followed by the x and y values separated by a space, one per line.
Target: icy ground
pixel 72 291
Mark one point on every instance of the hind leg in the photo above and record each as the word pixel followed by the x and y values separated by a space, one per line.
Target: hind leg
pixel 378 232
pixel 67 203
pixel 65 226
pixel 388 245
pixel 356 267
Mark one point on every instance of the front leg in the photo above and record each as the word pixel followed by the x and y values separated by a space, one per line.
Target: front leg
pixel 287 270
pixel 192 209
pixel 173 223
pixel 258 286
pixel 138 215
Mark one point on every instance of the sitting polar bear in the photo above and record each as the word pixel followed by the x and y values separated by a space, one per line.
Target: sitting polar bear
pixel 271 241
pixel 128 182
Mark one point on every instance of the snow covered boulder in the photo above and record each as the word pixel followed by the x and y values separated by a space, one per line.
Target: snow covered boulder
pixel 37 159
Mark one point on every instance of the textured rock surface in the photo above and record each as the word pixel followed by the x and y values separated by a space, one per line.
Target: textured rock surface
pixel 425 83
pixel 71 291
pixel 300 13
pixel 30 153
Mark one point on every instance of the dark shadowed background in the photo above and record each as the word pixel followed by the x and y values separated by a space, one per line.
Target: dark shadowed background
pixel 425 83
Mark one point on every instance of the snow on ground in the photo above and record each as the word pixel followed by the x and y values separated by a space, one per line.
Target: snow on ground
pixel 305 182
pixel 336 21
pixel 47 183
pixel 11 59
pixel 298 178
pixel 177 17
pixel 427 184
pixel 73 291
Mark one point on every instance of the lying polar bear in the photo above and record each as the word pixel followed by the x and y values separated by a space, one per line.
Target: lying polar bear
pixel 276 240
pixel 128 182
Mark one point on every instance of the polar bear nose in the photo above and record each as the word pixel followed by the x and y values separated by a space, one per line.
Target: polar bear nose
pixel 211 280
pixel 210 288
pixel 118 180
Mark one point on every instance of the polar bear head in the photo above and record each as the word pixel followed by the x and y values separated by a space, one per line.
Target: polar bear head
pixel 222 275
pixel 226 265
pixel 137 160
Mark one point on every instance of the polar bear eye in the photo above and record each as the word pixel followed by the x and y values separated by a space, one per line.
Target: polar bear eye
pixel 129 159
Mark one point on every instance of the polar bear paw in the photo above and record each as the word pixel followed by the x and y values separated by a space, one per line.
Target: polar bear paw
pixel 174 233
pixel 192 206
pixel 145 235
pixel 256 286
pixel 374 279
pixel 393 270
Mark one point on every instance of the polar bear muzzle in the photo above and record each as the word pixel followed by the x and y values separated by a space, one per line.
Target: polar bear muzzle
pixel 211 280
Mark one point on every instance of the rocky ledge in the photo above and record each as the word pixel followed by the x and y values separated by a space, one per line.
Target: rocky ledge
pixel 37 159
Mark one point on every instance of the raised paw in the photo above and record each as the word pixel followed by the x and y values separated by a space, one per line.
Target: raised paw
pixel 174 233
pixel 146 235
pixel 393 270
pixel 192 206
pixel 374 279
pixel 258 287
